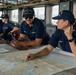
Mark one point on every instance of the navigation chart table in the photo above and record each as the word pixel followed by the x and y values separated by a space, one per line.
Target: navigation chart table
pixel 57 62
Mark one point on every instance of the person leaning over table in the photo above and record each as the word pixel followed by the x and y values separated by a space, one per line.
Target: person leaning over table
pixel 32 27
pixel 65 35
pixel 8 28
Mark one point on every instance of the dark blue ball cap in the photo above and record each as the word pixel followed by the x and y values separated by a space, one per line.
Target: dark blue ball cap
pixel 28 11
pixel 4 16
pixel 66 15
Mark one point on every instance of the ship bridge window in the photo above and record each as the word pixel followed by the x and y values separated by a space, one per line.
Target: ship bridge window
pixel 55 12
pixel 14 16
pixel 40 12
pixel 0 14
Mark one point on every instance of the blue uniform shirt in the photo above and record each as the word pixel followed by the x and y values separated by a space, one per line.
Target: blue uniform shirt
pixel 38 30
pixel 6 29
pixel 60 37
pixel 1 25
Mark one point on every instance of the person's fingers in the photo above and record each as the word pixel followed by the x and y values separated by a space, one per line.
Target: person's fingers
pixel 29 57
pixel 12 44
pixel 71 28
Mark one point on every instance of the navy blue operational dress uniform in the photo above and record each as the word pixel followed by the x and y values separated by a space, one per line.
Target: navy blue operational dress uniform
pixel 1 25
pixel 59 36
pixel 7 27
pixel 37 30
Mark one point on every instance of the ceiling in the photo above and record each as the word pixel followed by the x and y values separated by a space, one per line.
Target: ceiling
pixel 12 3
pixel 7 2
pixel 21 3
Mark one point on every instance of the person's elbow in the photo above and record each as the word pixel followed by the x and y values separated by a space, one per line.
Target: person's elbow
pixel 49 48
pixel 37 42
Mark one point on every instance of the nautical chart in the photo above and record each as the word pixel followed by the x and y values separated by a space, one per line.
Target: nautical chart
pixel 14 63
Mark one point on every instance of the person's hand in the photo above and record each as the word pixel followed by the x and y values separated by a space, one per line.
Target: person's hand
pixel 15 43
pixel 30 57
pixel 68 32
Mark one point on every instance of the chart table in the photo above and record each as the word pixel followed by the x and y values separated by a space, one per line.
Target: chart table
pixel 57 62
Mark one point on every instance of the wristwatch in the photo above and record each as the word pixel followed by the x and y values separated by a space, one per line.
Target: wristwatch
pixel 70 40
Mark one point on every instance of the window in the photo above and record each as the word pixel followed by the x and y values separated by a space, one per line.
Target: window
pixel 0 14
pixel 55 12
pixel 14 15
pixel 40 12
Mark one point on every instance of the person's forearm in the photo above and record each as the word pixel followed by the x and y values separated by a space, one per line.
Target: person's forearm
pixel 43 52
pixel 21 39
pixel 14 29
pixel 29 44
pixel 73 47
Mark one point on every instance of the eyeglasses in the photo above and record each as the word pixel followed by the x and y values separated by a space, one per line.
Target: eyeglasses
pixel 29 17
